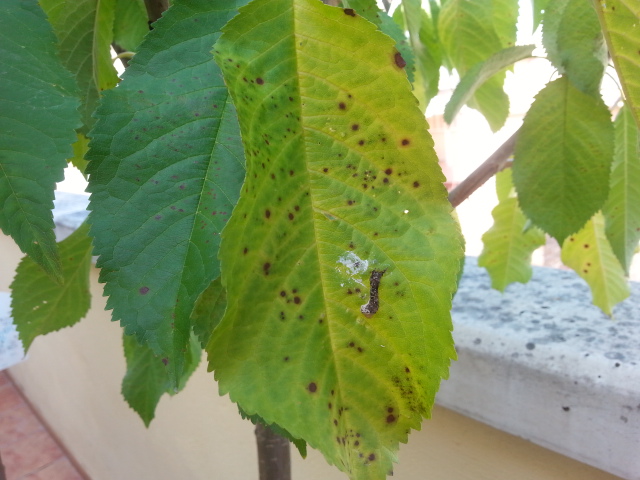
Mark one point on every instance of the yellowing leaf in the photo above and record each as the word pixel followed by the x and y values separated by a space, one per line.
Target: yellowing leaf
pixel 620 20
pixel 508 245
pixel 342 182
pixel 622 210
pixel 589 253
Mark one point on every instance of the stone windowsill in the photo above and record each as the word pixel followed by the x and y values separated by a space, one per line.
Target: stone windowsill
pixel 539 361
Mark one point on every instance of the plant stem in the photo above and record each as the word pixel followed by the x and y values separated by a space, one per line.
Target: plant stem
pixel 3 475
pixel 155 9
pixel 274 460
pixel 497 161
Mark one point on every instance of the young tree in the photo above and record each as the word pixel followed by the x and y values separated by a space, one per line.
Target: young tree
pixel 264 187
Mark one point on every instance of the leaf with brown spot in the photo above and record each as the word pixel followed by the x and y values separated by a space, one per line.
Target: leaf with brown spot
pixel 311 259
pixel 589 253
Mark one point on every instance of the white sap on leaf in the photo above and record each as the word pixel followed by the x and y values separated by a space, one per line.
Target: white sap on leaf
pixel 353 266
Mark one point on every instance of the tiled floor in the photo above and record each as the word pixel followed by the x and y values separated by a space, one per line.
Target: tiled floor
pixel 27 449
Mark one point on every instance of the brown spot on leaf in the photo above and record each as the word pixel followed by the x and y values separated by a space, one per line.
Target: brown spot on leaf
pixel 372 457
pixel 350 11
pixel 266 268
pixel 391 418
pixel 355 127
pixel 399 61
pixel 165 361
pixel 388 171
pixel 416 184
pixel 144 290
pixel 267 213
pixel 283 293
pixel 259 81
pixel 312 387
pixel 405 142
pixel 296 300
pixel 342 106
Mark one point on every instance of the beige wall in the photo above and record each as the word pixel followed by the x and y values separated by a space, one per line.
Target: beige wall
pixel 72 378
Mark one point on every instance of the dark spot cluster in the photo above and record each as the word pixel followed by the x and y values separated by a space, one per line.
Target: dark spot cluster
pixel 355 347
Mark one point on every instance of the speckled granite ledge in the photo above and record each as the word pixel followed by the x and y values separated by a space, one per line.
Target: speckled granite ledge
pixel 542 362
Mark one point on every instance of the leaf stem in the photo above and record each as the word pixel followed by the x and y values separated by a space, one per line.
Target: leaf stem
pixel 274 460
pixel 497 161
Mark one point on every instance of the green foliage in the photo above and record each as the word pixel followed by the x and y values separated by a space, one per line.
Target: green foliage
pixel 480 73
pixel 422 32
pixel 622 210
pixel 208 311
pixel 508 245
pixel 130 24
pixel 574 43
pixel 85 30
pixel 342 182
pixel 40 305
pixel 588 252
pixel 147 377
pixel 562 158
pixel 619 20
pixel 329 273
pixel 38 102
pixel 168 134
pixel 484 29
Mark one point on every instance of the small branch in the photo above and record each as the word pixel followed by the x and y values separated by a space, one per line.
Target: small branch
pixel 155 9
pixel 274 460
pixel 499 160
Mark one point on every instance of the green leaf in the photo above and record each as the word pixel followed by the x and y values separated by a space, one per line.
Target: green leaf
pixel 482 29
pixel 80 149
pixel 620 20
pixel 39 304
pixel 588 253
pixel 208 311
pixel 147 377
pixel 166 167
pixel 130 24
pixel 350 185
pixel 480 73
pixel 622 210
pixel 508 244
pixel 85 30
pixel 427 50
pixel 369 10
pixel 574 43
pixel 300 444
pixel 562 158
pixel 38 115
